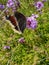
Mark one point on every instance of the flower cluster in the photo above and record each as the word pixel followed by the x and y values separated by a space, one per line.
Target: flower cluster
pixel 14 4
pixel 31 21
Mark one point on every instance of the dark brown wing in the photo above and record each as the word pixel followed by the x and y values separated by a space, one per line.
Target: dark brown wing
pixel 21 20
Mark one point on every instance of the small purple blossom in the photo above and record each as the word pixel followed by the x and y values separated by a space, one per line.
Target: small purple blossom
pixel 6 47
pixel 21 40
pixel 39 5
pixel 2 7
pixel 35 16
pixel 31 22
pixel 10 3
pixel 14 4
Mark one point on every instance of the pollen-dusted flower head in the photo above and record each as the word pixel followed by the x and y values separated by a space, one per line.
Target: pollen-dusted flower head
pixel 31 22
pixel 39 5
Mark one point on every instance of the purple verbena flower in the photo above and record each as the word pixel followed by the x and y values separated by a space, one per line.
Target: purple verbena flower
pixel 35 16
pixel 14 4
pixel 39 5
pixel 10 3
pixel 6 47
pixel 2 7
pixel 21 40
pixel 31 22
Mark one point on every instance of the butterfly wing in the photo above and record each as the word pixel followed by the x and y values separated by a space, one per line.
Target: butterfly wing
pixel 21 21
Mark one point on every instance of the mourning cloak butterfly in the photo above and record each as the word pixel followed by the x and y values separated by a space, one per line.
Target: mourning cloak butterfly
pixel 18 19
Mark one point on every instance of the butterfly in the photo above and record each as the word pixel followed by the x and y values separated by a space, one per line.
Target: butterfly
pixel 18 20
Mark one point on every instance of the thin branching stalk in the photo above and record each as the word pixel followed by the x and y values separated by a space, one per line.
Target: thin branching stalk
pixel 3 11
